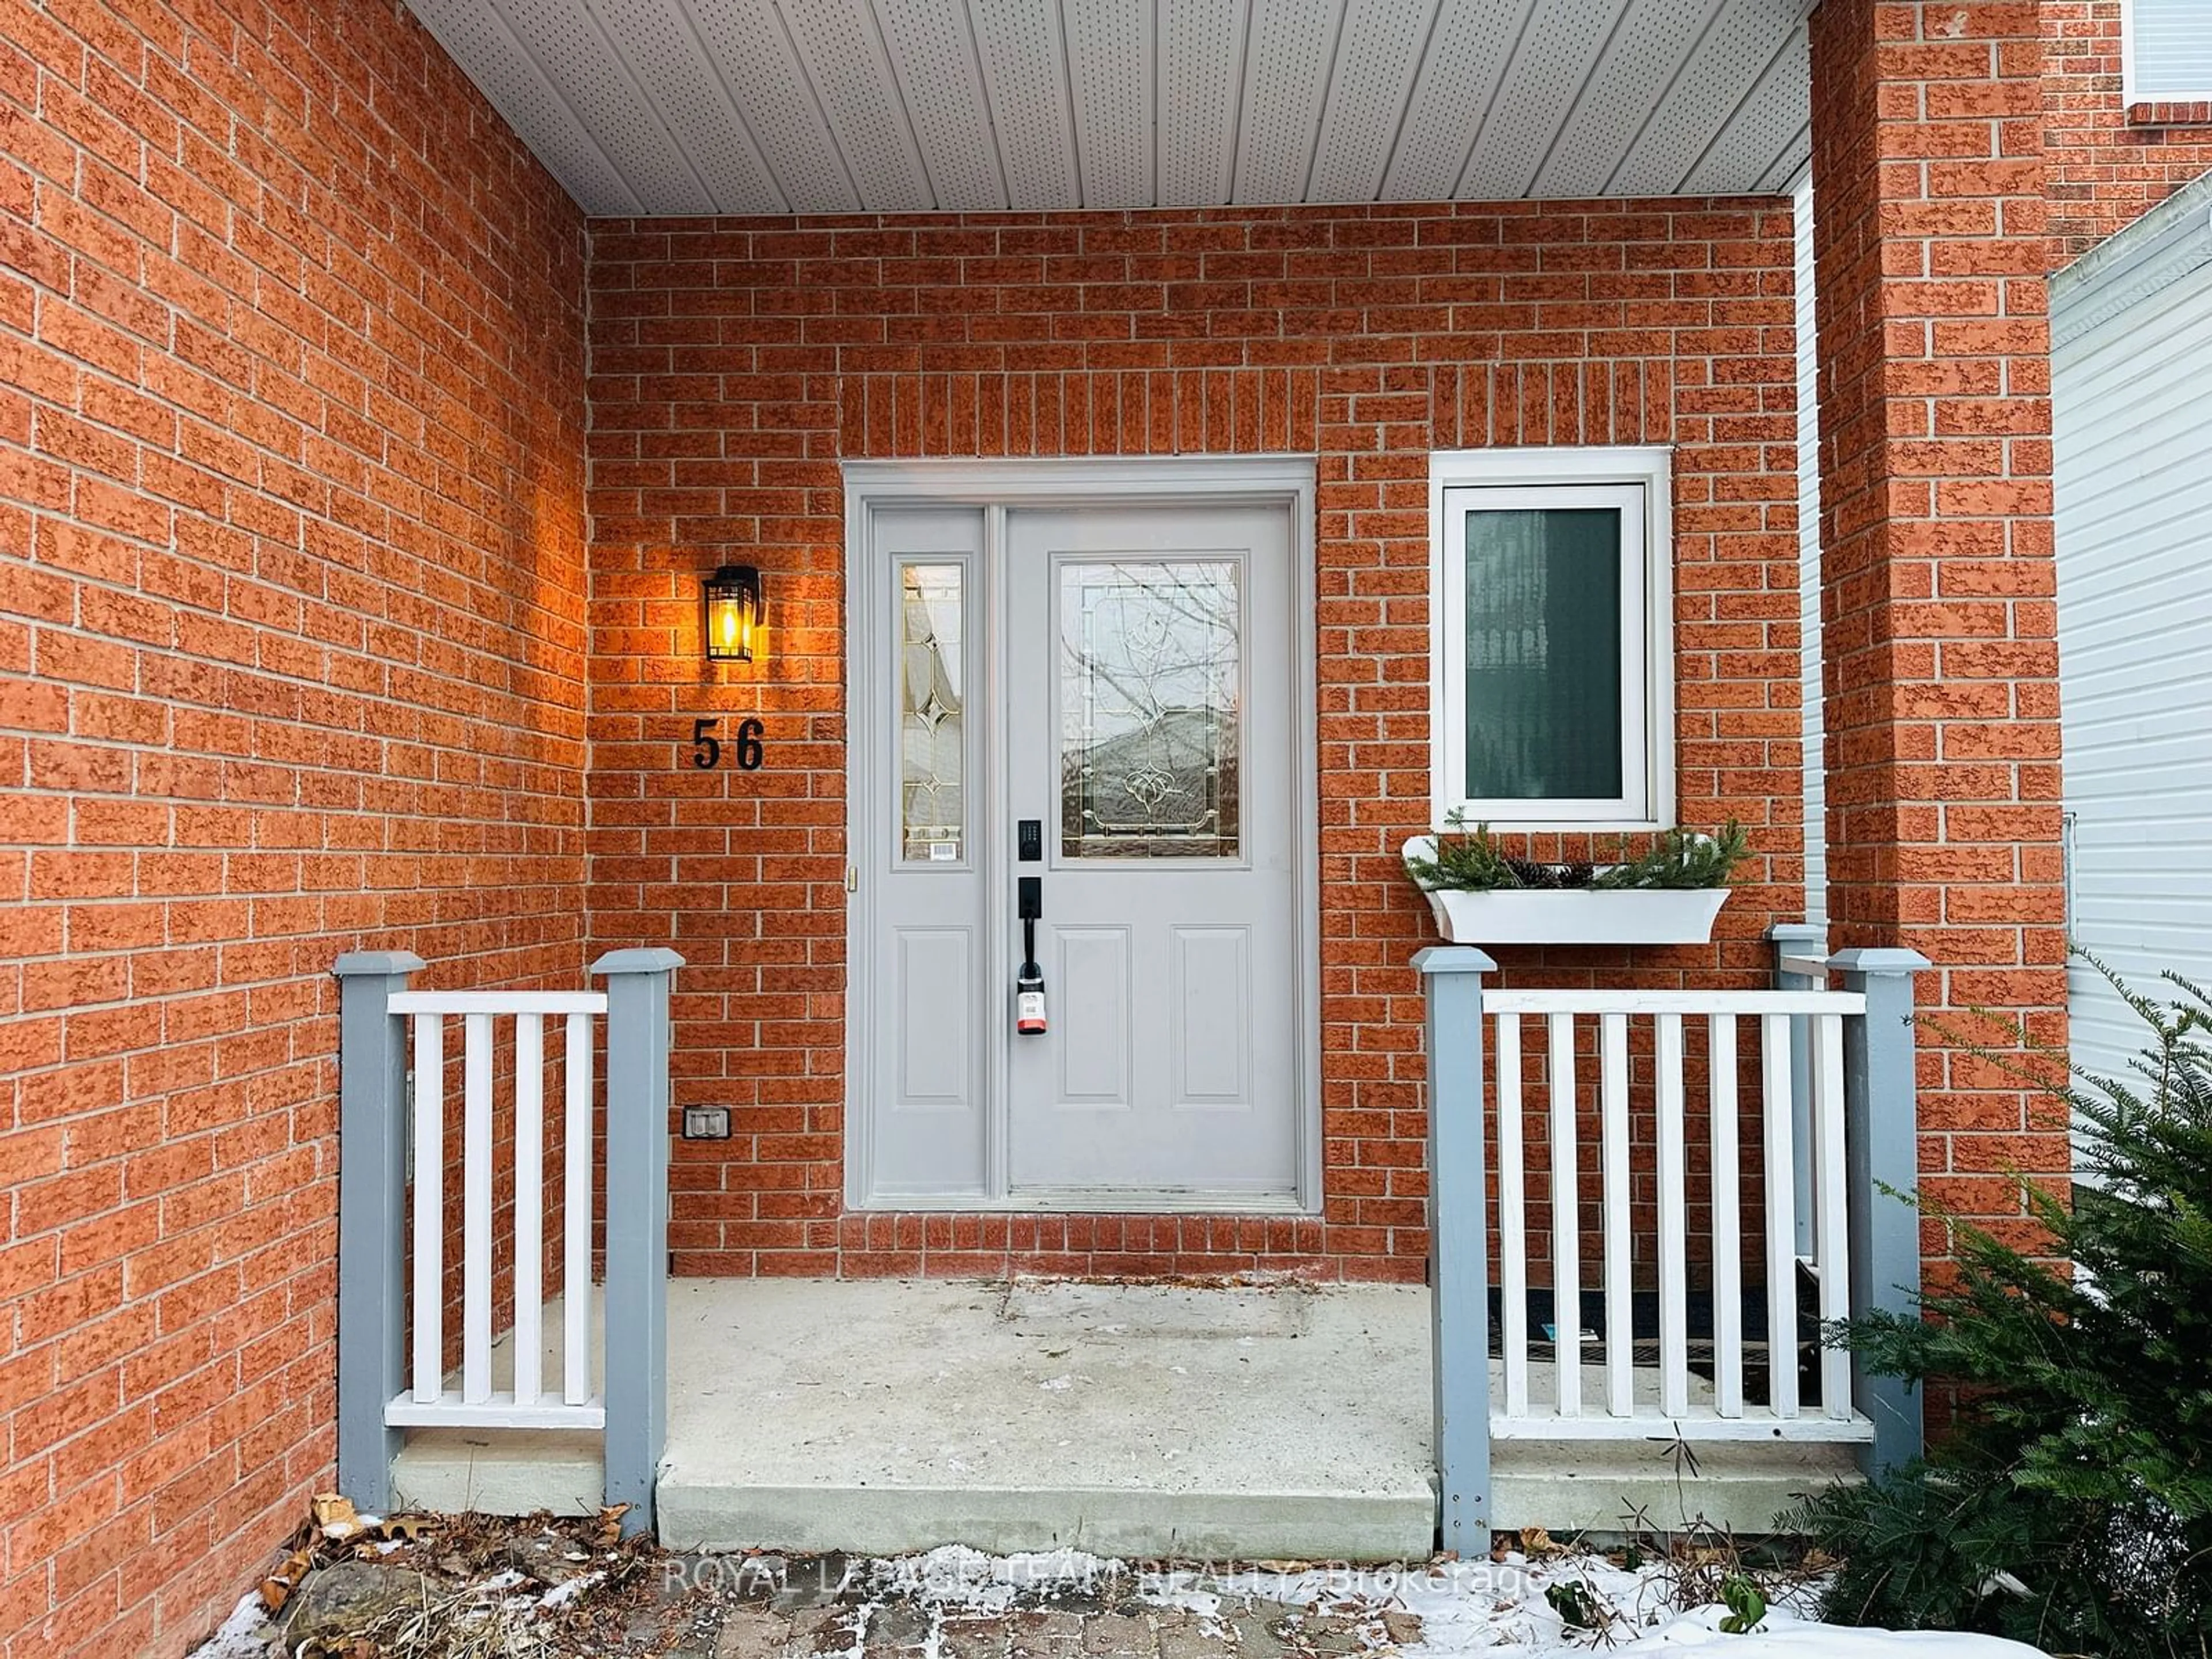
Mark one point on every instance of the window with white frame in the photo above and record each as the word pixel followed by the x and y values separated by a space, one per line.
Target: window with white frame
pixel 2166 52
pixel 1552 636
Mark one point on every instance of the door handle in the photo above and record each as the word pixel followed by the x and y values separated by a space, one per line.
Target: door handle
pixel 1028 982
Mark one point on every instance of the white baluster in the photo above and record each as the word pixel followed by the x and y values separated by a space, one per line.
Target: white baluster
pixel 1673 1224
pixel 529 1205
pixel 1831 1226
pixel 476 1210
pixel 1727 1235
pixel 1566 1224
pixel 429 1293
pixel 1619 1311
pixel 1512 1220
pixel 1781 1216
pixel 576 1219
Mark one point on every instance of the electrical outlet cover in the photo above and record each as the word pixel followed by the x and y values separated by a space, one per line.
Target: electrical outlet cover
pixel 706 1123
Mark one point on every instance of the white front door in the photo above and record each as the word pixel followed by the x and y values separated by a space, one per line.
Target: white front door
pixel 1098 703
pixel 1148 730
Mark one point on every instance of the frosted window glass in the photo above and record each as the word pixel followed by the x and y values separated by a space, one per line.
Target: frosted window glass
pixel 932 731
pixel 1543 654
pixel 1150 688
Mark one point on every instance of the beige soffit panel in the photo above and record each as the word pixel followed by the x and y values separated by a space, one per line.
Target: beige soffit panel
pixel 1378 53
pixel 1648 51
pixel 1026 67
pixel 932 50
pixel 687 106
pixel 1201 56
pixel 1114 110
pixel 1734 52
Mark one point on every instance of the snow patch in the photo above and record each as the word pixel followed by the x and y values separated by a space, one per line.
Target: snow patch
pixel 246 1634
pixel 568 1591
pixel 1463 1607
pixel 1499 1608
pixel 1785 1637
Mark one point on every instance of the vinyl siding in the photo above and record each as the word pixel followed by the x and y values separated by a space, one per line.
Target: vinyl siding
pixel 2169 50
pixel 2132 358
pixel 1809 562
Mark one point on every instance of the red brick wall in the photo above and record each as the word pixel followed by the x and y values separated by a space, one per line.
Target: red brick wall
pixel 291 423
pixel 2107 162
pixel 734 362
pixel 1939 618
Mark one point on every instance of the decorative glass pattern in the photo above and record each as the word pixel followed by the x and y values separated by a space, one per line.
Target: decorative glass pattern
pixel 1543 654
pixel 933 733
pixel 1151 698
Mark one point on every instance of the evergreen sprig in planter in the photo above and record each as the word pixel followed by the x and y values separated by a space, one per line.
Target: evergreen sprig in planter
pixel 1669 895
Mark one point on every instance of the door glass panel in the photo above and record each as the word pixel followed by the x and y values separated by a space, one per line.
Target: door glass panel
pixel 1543 654
pixel 1150 686
pixel 933 733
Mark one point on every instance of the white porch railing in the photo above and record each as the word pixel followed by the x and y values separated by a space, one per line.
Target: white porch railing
pixel 1832 1106
pixel 1636 1396
pixel 484 1015
pixel 393 1371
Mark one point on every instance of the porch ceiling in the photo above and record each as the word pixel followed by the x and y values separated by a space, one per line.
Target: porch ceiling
pixel 691 107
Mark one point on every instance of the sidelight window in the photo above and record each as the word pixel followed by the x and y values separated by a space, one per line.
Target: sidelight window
pixel 932 713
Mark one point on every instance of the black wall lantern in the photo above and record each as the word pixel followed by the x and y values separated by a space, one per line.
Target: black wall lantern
pixel 733 613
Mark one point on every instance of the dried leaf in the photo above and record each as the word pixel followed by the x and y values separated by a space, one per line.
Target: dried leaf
pixel 277 1589
pixel 1538 1544
pixel 405 1526
pixel 334 1516
pixel 610 1522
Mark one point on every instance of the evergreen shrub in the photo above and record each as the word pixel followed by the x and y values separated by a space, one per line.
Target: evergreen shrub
pixel 2071 1508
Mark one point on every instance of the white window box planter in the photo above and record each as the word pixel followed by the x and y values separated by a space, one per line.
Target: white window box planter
pixel 1551 916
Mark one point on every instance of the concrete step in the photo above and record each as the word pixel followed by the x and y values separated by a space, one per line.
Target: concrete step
pixel 514 1471
pixel 1122 1419
pixel 886 1416
pixel 1611 1487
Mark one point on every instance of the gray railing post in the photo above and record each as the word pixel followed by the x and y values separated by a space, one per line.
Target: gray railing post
pixel 1800 939
pixel 1881 1173
pixel 1459 1259
pixel 637 1295
pixel 372 1217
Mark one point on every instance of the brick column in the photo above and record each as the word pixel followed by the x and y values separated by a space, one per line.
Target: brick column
pixel 1942 661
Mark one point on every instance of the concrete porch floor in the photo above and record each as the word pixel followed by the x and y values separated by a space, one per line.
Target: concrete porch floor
pixel 883 1416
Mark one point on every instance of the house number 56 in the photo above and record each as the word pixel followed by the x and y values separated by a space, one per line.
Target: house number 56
pixel 707 748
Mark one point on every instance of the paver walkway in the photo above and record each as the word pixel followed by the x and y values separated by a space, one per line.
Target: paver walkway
pixel 568 1589
pixel 1258 1631
pixel 764 1609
